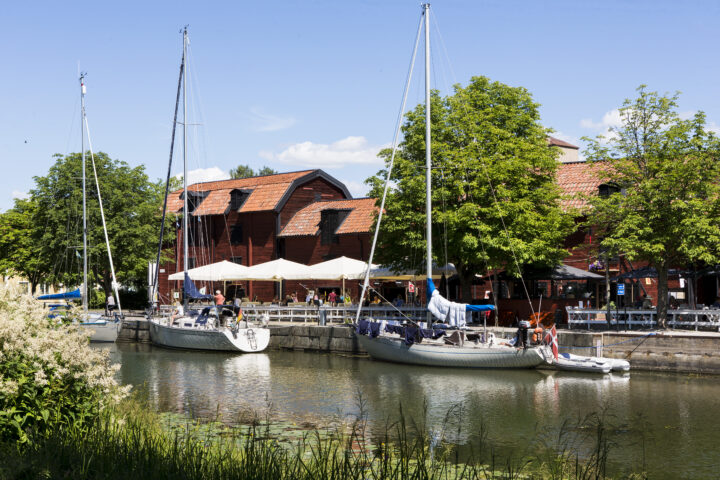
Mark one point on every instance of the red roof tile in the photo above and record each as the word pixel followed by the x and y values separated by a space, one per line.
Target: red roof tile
pixel 578 179
pixel 266 192
pixel 306 221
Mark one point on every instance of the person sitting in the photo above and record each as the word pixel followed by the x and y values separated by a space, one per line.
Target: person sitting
pixel 177 312
pixel 717 303
pixel 398 302
pixel 647 302
pixel 672 302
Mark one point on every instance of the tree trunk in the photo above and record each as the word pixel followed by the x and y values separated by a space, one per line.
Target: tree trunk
pixel 608 315
pixel 466 279
pixel 662 303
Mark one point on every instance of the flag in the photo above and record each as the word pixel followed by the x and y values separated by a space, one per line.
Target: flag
pixel 240 315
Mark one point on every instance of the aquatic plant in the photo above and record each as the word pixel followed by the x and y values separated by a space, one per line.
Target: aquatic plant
pixel 50 378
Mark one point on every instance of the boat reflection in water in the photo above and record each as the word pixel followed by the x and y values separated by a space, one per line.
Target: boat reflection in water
pixel 518 409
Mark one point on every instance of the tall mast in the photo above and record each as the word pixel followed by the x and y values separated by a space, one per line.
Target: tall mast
pixel 428 162
pixel 82 150
pixel 185 190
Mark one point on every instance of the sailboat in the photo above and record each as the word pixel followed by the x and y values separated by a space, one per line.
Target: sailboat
pixel 412 344
pixel 207 329
pixel 100 328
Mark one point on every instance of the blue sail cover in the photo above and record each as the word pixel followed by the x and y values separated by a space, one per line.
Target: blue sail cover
pixel 468 308
pixel 191 290
pixel 74 295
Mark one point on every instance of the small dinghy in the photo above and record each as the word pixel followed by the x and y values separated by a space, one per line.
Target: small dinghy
pixel 616 364
pixel 577 363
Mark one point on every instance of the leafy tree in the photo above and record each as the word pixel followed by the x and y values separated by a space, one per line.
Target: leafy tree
pixel 667 170
pixel 132 207
pixel 493 192
pixel 267 171
pixel 245 171
pixel 19 247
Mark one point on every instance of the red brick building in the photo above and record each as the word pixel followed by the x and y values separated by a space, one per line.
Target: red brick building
pixel 306 216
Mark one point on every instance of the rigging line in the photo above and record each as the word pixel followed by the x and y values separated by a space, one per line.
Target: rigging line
pixel 447 283
pixel 102 216
pixel 389 171
pixel 442 42
pixel 167 186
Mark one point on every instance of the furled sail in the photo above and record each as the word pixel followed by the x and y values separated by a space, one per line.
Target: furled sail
pixel 452 313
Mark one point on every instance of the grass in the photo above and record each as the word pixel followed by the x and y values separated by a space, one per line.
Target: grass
pixel 132 442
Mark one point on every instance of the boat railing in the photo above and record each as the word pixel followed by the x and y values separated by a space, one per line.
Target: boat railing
pixel 644 318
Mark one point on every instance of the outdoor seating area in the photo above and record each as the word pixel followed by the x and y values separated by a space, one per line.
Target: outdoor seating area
pixel 704 319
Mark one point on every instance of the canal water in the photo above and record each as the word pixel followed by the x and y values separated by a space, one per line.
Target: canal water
pixel 667 424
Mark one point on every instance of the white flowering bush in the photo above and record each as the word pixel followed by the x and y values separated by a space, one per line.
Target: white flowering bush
pixel 50 378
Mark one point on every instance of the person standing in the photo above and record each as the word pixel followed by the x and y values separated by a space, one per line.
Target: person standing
pixel 411 293
pixel 110 304
pixel 332 298
pixel 219 298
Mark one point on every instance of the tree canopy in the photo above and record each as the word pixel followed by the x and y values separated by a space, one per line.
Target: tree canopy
pixel 495 203
pixel 43 235
pixel 666 171
pixel 245 171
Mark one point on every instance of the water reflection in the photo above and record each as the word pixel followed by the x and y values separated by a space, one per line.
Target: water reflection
pixel 650 414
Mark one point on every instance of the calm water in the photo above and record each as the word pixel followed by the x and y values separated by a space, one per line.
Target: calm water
pixel 675 417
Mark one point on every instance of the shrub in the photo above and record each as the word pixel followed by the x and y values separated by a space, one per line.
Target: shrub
pixel 50 378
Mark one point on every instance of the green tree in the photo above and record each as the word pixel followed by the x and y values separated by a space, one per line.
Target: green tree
pixel 494 198
pixel 20 250
pixel 245 171
pixel 667 170
pixel 132 207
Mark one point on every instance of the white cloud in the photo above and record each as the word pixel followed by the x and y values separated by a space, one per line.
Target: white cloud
pixel 348 151
pixel 19 194
pixel 206 175
pixel 265 122
pixel 713 127
pixel 610 119
pixel 357 189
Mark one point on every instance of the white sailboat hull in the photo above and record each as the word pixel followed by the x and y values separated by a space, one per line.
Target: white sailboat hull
pixel 246 340
pixel 438 355
pixel 102 330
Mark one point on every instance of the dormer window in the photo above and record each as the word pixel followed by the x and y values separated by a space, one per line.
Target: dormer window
pixel 237 198
pixel 194 199
pixel 330 221
pixel 607 189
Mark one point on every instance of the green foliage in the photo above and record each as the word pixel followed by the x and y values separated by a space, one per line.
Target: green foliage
pixel 20 249
pixel 493 192
pixel 667 211
pixel 132 207
pixel 245 171
pixel 51 381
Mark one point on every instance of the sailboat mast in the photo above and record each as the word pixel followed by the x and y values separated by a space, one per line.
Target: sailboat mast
pixel 185 190
pixel 84 195
pixel 428 153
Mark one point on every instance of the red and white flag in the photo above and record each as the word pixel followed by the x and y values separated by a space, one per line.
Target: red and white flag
pixel 551 339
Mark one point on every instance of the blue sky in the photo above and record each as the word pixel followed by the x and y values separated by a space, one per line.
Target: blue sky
pixel 317 84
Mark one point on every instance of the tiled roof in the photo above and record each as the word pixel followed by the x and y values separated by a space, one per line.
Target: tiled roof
pixel 577 179
pixel 556 142
pixel 266 192
pixel 306 221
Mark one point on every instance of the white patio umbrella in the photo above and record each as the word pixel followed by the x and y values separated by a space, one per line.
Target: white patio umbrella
pixel 277 271
pixel 214 272
pixel 341 268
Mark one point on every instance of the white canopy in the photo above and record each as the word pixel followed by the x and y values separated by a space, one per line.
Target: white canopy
pixel 386 273
pixel 341 268
pixel 215 272
pixel 277 270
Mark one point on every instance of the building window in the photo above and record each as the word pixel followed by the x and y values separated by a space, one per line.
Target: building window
pixel 194 199
pixel 236 234
pixel 191 263
pixel 607 189
pixel 237 198
pixel 237 260
pixel 330 221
